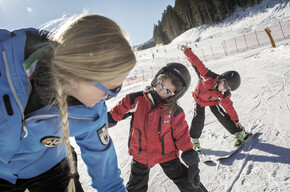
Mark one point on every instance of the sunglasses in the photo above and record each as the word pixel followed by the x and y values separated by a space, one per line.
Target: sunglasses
pixel 160 85
pixel 226 85
pixel 111 92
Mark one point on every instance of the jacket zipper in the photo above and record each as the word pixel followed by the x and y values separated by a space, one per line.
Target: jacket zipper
pixel 159 128
pixel 46 116
pixel 162 144
pixel 11 84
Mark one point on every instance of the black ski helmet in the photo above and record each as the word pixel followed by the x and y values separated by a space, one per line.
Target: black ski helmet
pixel 233 79
pixel 180 71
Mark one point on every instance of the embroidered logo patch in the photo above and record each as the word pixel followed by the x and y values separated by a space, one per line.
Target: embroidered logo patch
pixel 104 135
pixel 166 121
pixel 51 141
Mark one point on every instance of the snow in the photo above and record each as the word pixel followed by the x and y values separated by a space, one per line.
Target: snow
pixel 262 103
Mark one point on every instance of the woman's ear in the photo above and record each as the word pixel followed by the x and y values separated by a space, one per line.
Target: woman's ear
pixel 74 83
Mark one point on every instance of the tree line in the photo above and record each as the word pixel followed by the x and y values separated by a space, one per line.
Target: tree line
pixel 187 14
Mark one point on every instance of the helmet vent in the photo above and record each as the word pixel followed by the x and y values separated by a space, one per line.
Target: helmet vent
pixel 177 71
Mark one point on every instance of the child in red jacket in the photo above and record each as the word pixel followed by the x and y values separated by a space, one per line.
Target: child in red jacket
pixel 213 90
pixel 159 130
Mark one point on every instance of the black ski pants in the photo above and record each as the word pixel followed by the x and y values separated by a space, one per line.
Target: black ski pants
pixel 174 169
pixel 56 179
pixel 197 122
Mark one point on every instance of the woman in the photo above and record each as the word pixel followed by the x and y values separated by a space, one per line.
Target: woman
pixel 71 73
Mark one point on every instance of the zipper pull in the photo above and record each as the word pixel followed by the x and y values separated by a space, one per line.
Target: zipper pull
pixel 25 130
pixel 159 128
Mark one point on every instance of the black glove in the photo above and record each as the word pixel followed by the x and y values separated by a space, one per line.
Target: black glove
pixel 111 121
pixel 191 159
pixel 128 114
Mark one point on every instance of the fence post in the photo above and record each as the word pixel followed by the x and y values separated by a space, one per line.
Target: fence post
pixel 257 38
pixel 268 31
pixel 203 54
pixel 212 52
pixel 281 29
pixel 236 45
pixel 225 47
pixel 245 41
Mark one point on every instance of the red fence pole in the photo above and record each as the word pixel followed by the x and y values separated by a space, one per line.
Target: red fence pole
pixel 236 44
pixel 212 52
pixel 245 41
pixel 281 29
pixel 257 38
pixel 203 54
pixel 225 47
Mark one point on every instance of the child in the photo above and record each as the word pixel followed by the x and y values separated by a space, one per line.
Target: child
pixel 213 90
pixel 62 93
pixel 158 130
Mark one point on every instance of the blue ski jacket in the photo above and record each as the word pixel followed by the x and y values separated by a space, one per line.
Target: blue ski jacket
pixel 31 145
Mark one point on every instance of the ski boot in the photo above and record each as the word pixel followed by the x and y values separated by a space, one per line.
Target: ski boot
pixel 240 137
pixel 196 144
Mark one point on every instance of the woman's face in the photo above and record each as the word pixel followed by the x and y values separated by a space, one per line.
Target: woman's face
pixel 90 95
pixel 164 91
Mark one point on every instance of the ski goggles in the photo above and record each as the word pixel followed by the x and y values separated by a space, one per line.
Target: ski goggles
pixel 161 86
pixel 226 85
pixel 111 92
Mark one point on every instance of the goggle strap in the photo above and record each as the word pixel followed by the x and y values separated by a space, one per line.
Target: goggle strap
pixel 100 86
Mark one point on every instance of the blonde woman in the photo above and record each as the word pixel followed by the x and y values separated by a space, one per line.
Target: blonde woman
pixel 54 86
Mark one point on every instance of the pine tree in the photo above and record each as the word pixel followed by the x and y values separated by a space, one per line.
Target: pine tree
pixel 182 8
pixel 159 35
pixel 218 6
pixel 194 6
pixel 171 23
pixel 156 34
pixel 205 4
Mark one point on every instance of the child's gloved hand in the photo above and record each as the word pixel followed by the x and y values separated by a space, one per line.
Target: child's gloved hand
pixel 184 47
pixel 111 121
pixel 191 159
pixel 239 125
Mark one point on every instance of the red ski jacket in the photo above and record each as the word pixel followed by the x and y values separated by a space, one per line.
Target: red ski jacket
pixel 206 92
pixel 155 137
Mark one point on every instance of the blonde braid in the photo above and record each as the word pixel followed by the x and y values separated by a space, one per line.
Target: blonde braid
pixel 62 103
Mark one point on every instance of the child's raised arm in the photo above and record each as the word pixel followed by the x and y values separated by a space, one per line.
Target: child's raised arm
pixel 194 60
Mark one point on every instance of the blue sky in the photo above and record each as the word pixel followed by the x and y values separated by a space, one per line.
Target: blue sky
pixel 137 17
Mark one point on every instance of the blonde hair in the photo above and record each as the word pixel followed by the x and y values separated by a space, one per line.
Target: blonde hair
pixel 91 48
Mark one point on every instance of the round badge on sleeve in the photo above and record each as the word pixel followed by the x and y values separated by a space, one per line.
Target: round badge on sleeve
pixel 104 135
pixel 51 141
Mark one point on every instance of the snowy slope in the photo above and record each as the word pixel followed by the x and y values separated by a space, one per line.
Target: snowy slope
pixel 262 103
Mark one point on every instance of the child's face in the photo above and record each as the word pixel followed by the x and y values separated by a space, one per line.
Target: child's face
pixel 161 90
pixel 223 87
pixel 90 95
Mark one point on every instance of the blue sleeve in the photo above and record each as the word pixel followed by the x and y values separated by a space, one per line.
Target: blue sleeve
pixel 98 152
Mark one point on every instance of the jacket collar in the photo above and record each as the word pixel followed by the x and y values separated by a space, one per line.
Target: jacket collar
pixel 153 97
